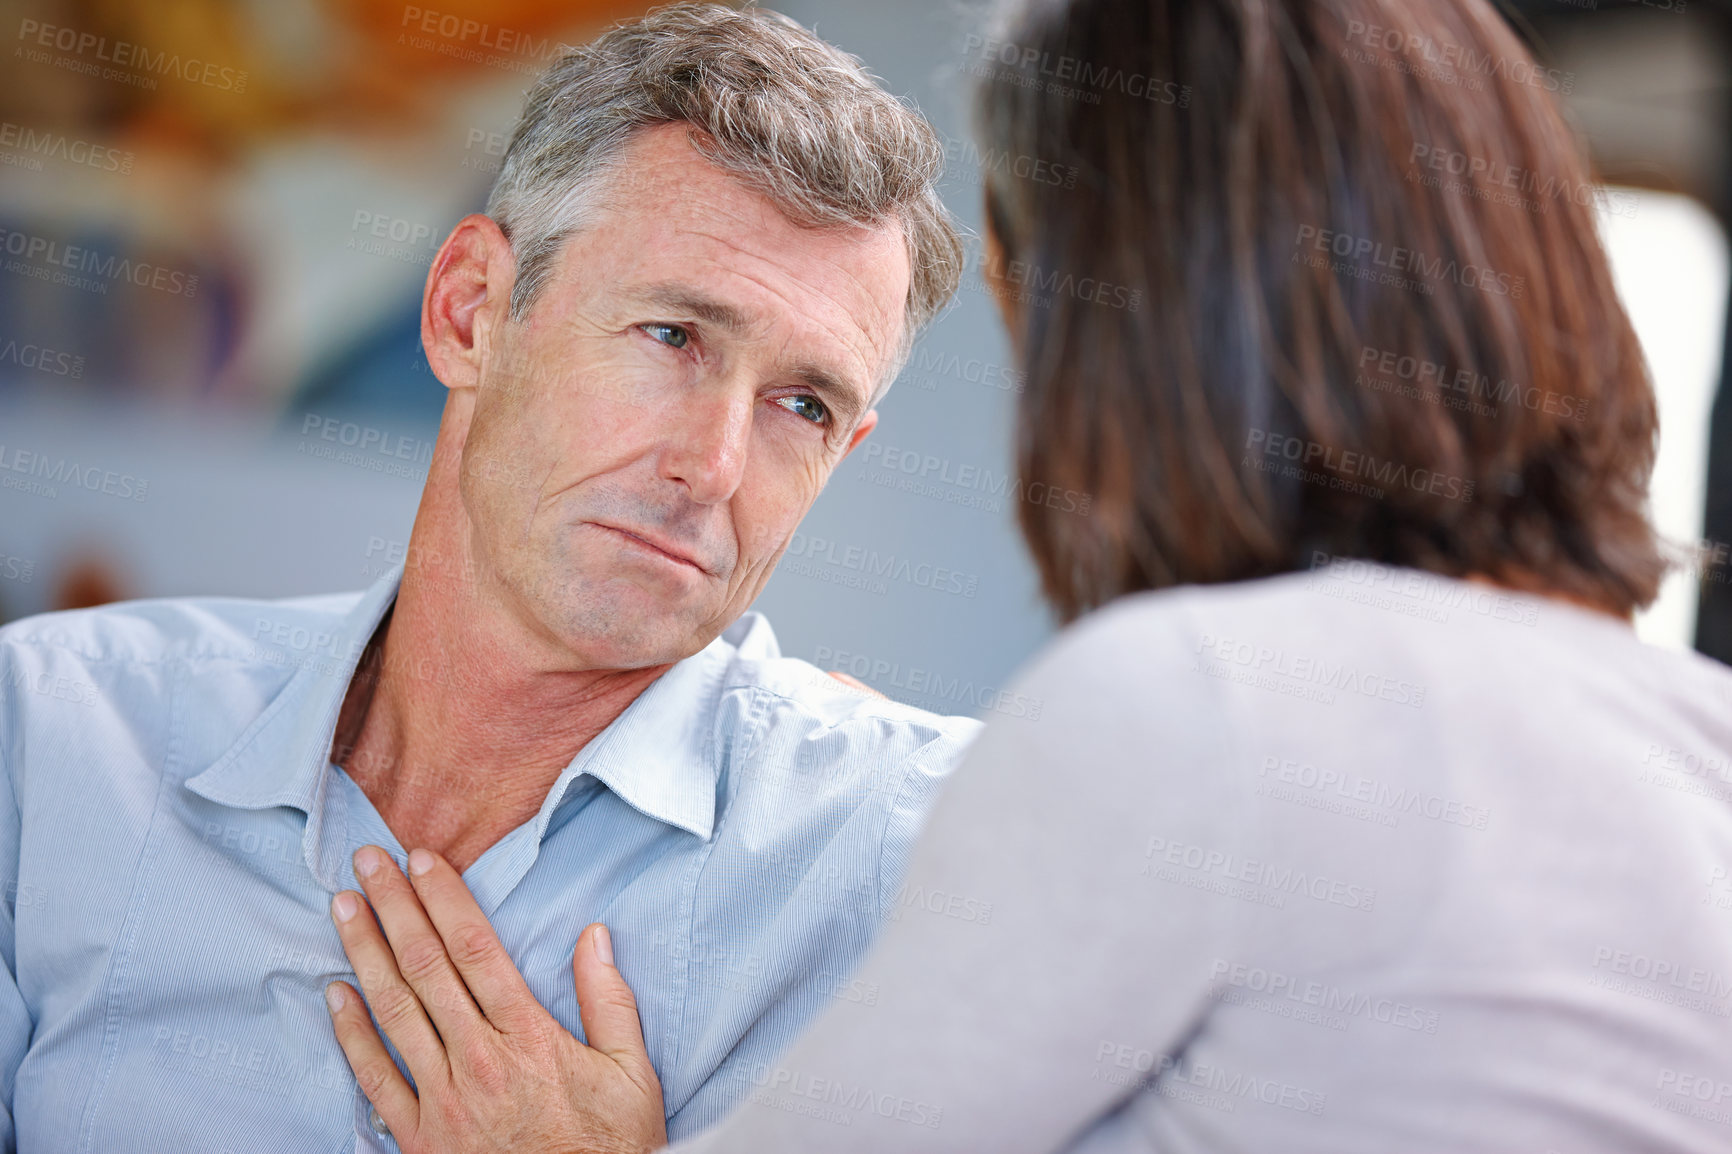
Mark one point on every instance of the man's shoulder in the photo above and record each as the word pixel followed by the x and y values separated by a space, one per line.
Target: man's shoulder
pixel 814 692
pixel 181 628
pixel 793 734
pixel 138 685
pixel 809 696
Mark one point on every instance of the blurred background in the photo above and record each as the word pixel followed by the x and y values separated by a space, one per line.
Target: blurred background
pixel 216 217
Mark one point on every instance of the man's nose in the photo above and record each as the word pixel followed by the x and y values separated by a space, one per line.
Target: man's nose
pixel 706 449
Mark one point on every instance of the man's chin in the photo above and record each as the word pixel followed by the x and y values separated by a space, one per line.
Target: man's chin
pixel 619 624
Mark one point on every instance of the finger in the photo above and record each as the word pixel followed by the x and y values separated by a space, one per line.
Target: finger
pixel 375 1072
pixel 606 1005
pixel 486 969
pixel 395 1005
pixel 420 954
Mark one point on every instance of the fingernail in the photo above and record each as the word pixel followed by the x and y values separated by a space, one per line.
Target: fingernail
pixel 368 860
pixel 335 996
pixel 420 861
pixel 345 906
pixel 603 944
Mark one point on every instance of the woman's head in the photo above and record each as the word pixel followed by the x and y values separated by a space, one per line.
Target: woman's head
pixel 1328 282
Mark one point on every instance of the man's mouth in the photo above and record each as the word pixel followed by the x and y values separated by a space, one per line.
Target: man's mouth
pixel 655 544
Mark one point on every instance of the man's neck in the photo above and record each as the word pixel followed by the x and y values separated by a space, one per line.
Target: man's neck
pixel 455 725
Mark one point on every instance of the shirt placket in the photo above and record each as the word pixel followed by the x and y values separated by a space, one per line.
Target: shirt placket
pixel 491 879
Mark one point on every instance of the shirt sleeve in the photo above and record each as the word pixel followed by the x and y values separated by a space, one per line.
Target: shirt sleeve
pixel 923 776
pixel 15 1024
pixel 1030 949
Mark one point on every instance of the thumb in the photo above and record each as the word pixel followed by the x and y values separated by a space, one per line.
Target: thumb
pixel 605 1003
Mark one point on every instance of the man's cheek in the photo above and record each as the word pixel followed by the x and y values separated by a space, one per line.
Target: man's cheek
pixel 765 542
pixel 818 474
pixel 600 389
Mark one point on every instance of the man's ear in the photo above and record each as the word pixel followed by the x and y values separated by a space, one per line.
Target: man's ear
pixel 467 297
pixel 866 425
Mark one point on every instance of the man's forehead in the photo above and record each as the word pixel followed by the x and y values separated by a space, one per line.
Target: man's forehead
pixel 683 218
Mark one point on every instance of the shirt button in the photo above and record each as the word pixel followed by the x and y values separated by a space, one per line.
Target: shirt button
pixel 377 1123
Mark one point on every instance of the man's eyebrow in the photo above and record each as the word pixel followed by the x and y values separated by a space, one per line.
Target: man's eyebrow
pixel 683 301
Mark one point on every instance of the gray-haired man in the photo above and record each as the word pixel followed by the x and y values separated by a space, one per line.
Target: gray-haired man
pixel 710 246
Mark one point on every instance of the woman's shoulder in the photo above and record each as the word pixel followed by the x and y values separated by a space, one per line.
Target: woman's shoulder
pixel 1342 606
pixel 1150 629
pixel 1368 643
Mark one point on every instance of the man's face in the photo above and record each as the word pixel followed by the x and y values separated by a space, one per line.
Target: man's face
pixel 644 443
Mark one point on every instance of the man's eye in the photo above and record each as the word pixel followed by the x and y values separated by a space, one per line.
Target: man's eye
pixel 806 406
pixel 671 335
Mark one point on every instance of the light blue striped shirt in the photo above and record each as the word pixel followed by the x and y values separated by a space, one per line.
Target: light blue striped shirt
pixel 172 832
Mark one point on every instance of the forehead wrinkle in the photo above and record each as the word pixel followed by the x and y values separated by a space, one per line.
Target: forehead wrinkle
pixel 899 302
pixel 845 268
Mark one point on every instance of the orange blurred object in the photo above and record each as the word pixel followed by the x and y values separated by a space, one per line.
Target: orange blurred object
pixel 228 72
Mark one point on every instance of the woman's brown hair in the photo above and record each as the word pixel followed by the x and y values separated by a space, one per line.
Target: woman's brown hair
pixel 1328 284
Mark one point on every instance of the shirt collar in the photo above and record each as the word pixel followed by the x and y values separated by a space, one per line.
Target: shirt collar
pixel 658 755
pixel 283 758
